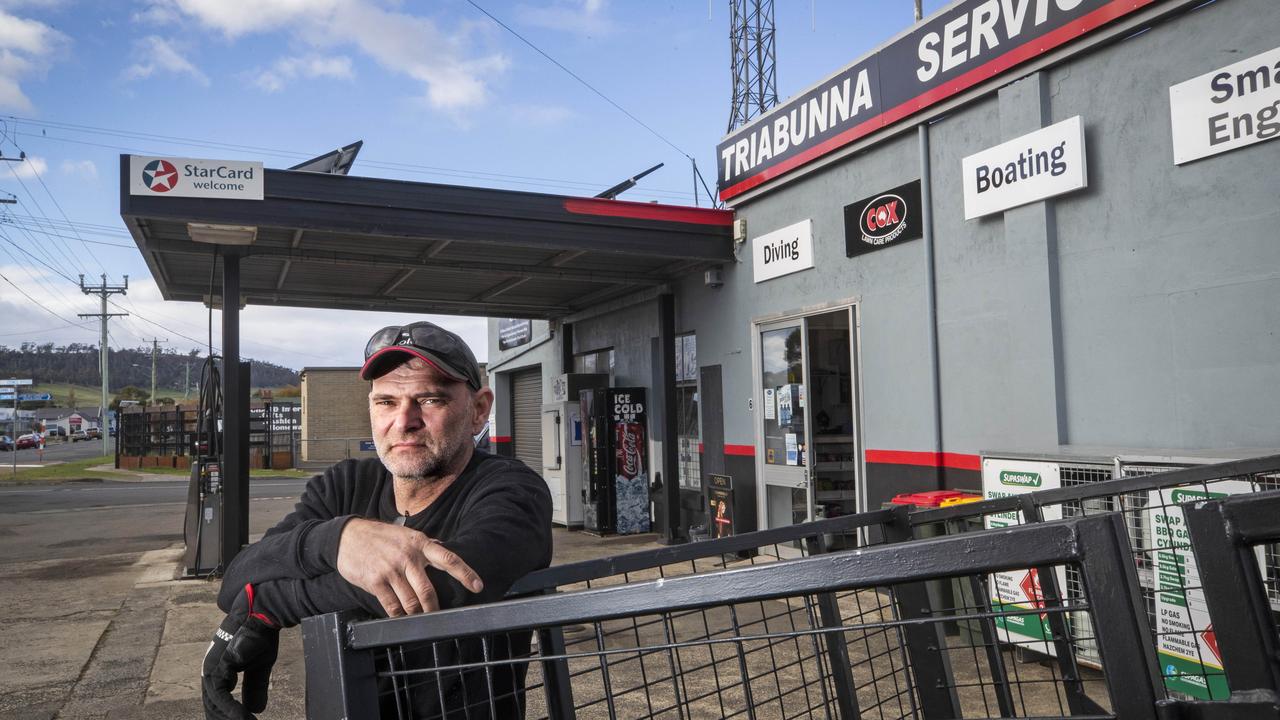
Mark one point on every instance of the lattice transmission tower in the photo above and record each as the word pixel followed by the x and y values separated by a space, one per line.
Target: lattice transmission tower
pixel 755 82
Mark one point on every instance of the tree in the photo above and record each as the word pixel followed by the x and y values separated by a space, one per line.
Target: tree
pixel 129 392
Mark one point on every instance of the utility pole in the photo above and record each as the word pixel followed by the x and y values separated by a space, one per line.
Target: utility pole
pixel 155 352
pixel 104 290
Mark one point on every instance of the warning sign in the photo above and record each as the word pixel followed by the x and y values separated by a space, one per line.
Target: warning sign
pixel 1185 642
pixel 1020 590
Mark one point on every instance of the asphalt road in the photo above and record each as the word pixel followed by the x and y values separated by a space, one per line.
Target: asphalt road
pixel 51 522
pixel 58 450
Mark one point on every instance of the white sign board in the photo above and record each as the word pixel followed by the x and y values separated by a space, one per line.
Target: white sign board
pixel 1231 107
pixel 12 382
pixel 193 178
pixel 783 251
pixel 1186 645
pixel 1038 165
pixel 1019 590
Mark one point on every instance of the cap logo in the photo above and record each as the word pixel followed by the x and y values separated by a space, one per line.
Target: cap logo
pixel 404 339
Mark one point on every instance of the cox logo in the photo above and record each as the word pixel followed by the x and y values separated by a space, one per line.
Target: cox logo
pixel 884 219
pixel 160 176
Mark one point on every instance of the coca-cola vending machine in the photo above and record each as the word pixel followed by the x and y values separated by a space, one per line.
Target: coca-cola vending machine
pixel 615 494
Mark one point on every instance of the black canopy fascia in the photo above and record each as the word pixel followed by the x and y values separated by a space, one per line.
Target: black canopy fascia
pixel 358 243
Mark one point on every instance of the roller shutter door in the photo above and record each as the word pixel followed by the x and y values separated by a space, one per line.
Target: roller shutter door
pixel 526 416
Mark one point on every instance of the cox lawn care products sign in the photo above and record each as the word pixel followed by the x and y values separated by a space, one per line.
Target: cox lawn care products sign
pixel 1227 108
pixel 1020 590
pixel 192 178
pixel 1185 641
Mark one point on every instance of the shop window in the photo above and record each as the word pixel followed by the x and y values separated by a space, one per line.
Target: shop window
pixel 596 361
pixel 687 426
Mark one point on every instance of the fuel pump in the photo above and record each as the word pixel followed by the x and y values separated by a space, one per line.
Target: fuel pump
pixel 202 529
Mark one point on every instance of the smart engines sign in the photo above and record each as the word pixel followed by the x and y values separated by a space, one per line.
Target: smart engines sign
pixel 188 177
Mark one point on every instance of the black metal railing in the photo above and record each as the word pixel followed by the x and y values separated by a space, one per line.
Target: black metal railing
pixel 708 651
pixel 926 646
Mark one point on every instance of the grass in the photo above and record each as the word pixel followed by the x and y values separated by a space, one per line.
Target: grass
pixel 62 472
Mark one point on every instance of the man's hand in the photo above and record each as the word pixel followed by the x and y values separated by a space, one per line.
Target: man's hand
pixel 246 642
pixel 390 562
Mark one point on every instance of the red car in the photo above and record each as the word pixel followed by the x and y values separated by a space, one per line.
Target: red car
pixel 29 440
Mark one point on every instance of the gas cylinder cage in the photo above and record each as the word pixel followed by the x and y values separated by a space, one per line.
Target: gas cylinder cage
pixel 899 624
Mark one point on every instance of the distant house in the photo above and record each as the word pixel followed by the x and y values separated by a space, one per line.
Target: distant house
pixel 51 418
pixel 81 419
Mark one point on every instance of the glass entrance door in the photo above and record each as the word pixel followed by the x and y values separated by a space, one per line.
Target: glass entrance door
pixel 808 459
pixel 787 499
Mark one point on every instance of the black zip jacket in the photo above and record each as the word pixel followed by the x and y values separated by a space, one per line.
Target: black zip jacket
pixel 496 515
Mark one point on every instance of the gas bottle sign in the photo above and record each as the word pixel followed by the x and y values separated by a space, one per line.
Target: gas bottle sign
pixel 1186 645
pixel 1020 590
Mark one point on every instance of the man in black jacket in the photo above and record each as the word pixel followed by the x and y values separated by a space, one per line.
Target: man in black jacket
pixel 431 523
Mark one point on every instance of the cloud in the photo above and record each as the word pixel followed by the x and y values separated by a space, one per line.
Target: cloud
pixel 155 55
pixel 24 170
pixel 577 17
pixel 453 75
pixel 85 169
pixel 26 49
pixel 287 69
pixel 543 115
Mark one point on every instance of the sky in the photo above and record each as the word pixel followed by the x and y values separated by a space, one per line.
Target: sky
pixel 439 91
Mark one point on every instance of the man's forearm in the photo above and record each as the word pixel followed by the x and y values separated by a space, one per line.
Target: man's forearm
pixel 306 550
pixel 290 600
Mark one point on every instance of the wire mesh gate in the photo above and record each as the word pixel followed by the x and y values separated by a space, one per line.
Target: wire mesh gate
pixel 799 639
pixel 905 649
pixel 1151 501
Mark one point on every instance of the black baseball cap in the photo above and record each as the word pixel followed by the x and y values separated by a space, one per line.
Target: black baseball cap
pixel 445 351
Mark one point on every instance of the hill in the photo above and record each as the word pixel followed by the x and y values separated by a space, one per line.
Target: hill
pixel 77 365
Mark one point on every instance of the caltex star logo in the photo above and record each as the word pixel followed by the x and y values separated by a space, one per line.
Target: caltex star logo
pixel 160 176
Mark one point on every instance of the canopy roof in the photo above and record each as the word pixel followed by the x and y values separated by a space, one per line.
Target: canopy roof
pixel 358 243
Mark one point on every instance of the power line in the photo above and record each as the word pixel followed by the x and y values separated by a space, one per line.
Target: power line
pixel 604 97
pixel 534 181
pixel 65 250
pixel 93 242
pixel 575 76
pixel 58 205
pixel 37 302
pixel 49 286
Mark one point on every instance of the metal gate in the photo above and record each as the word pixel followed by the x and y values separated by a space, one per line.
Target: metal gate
pixel 526 416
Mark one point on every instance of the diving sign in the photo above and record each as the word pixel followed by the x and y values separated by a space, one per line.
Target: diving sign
pixel 194 178
pixel 783 251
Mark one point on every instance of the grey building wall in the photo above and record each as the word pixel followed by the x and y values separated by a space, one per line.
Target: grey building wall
pixel 1170 275
pixel 629 331
pixel 1139 312
pixel 542 350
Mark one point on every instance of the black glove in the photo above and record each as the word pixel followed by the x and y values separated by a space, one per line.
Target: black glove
pixel 246 642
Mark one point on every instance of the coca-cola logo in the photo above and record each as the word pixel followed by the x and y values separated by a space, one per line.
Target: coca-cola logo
pixel 630 438
pixel 631 454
